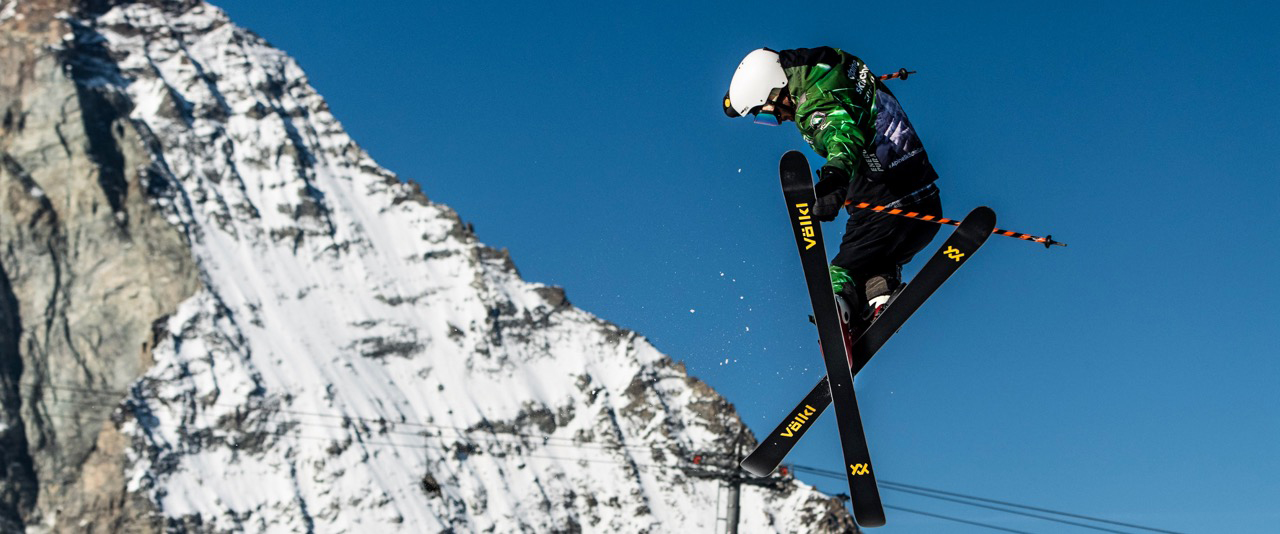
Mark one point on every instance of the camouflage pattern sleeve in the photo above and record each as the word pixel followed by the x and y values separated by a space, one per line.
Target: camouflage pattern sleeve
pixel 835 135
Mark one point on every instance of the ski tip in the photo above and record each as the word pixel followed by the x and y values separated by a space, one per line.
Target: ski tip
pixel 793 157
pixel 754 468
pixel 984 215
pixel 794 170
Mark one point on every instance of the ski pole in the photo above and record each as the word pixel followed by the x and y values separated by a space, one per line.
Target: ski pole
pixel 1046 240
pixel 901 74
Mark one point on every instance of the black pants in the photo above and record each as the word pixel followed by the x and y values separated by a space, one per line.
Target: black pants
pixel 879 244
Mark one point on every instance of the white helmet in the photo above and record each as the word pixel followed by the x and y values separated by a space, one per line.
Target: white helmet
pixel 759 74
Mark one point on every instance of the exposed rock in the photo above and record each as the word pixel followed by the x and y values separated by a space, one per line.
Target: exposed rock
pixel 219 314
pixel 90 264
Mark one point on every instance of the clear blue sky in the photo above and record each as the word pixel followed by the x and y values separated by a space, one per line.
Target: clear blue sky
pixel 1132 375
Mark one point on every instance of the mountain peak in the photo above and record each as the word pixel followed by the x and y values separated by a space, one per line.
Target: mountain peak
pixel 254 326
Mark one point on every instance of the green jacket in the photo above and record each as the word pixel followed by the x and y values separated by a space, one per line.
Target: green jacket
pixel 835 97
pixel 849 117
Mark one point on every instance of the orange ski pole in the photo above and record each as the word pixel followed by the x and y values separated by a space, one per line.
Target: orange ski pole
pixel 1046 240
pixel 901 74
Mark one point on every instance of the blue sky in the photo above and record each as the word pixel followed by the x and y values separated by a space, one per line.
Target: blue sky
pixel 1131 375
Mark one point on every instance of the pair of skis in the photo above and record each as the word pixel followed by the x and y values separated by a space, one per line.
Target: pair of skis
pixel 833 334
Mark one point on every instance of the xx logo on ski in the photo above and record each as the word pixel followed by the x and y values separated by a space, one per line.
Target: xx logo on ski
pixel 806 224
pixel 953 253
pixel 798 422
pixel 860 469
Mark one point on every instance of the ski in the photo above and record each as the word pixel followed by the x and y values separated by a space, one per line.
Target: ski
pixel 797 189
pixel 953 253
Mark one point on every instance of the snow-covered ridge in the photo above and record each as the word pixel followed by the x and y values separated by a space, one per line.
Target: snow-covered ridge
pixel 356 360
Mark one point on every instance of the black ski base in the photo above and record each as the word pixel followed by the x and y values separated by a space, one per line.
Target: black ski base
pixel 798 190
pixel 775 447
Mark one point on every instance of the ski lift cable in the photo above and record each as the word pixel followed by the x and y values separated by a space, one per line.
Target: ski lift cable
pixel 926 492
pixel 956 519
pixel 1006 503
pixel 580 458
pixel 493 438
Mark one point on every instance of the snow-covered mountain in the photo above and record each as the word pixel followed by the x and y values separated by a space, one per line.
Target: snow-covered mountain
pixel 219 314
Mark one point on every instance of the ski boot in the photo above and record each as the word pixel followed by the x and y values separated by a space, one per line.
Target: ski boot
pixel 855 316
pixel 876 293
pixel 880 292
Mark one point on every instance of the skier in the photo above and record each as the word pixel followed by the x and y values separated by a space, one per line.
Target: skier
pixel 873 155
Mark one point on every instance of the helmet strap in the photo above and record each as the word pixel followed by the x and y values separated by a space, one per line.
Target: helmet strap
pixel 778 96
pixel 775 104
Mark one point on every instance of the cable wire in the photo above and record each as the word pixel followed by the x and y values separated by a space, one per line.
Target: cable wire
pixel 489 436
pixel 889 484
pixel 568 442
pixel 956 519
pixel 1006 510
pixel 925 492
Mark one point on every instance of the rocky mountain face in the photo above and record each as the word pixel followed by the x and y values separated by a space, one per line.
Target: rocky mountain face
pixel 219 314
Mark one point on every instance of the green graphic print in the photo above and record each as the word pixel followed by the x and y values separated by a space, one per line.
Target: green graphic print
pixel 835 109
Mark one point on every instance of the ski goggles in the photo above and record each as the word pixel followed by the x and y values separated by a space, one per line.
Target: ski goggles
pixel 767 118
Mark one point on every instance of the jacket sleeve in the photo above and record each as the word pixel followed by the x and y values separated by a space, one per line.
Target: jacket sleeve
pixel 836 135
pixel 834 93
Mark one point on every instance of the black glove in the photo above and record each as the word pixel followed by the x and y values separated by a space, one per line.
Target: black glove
pixel 831 189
